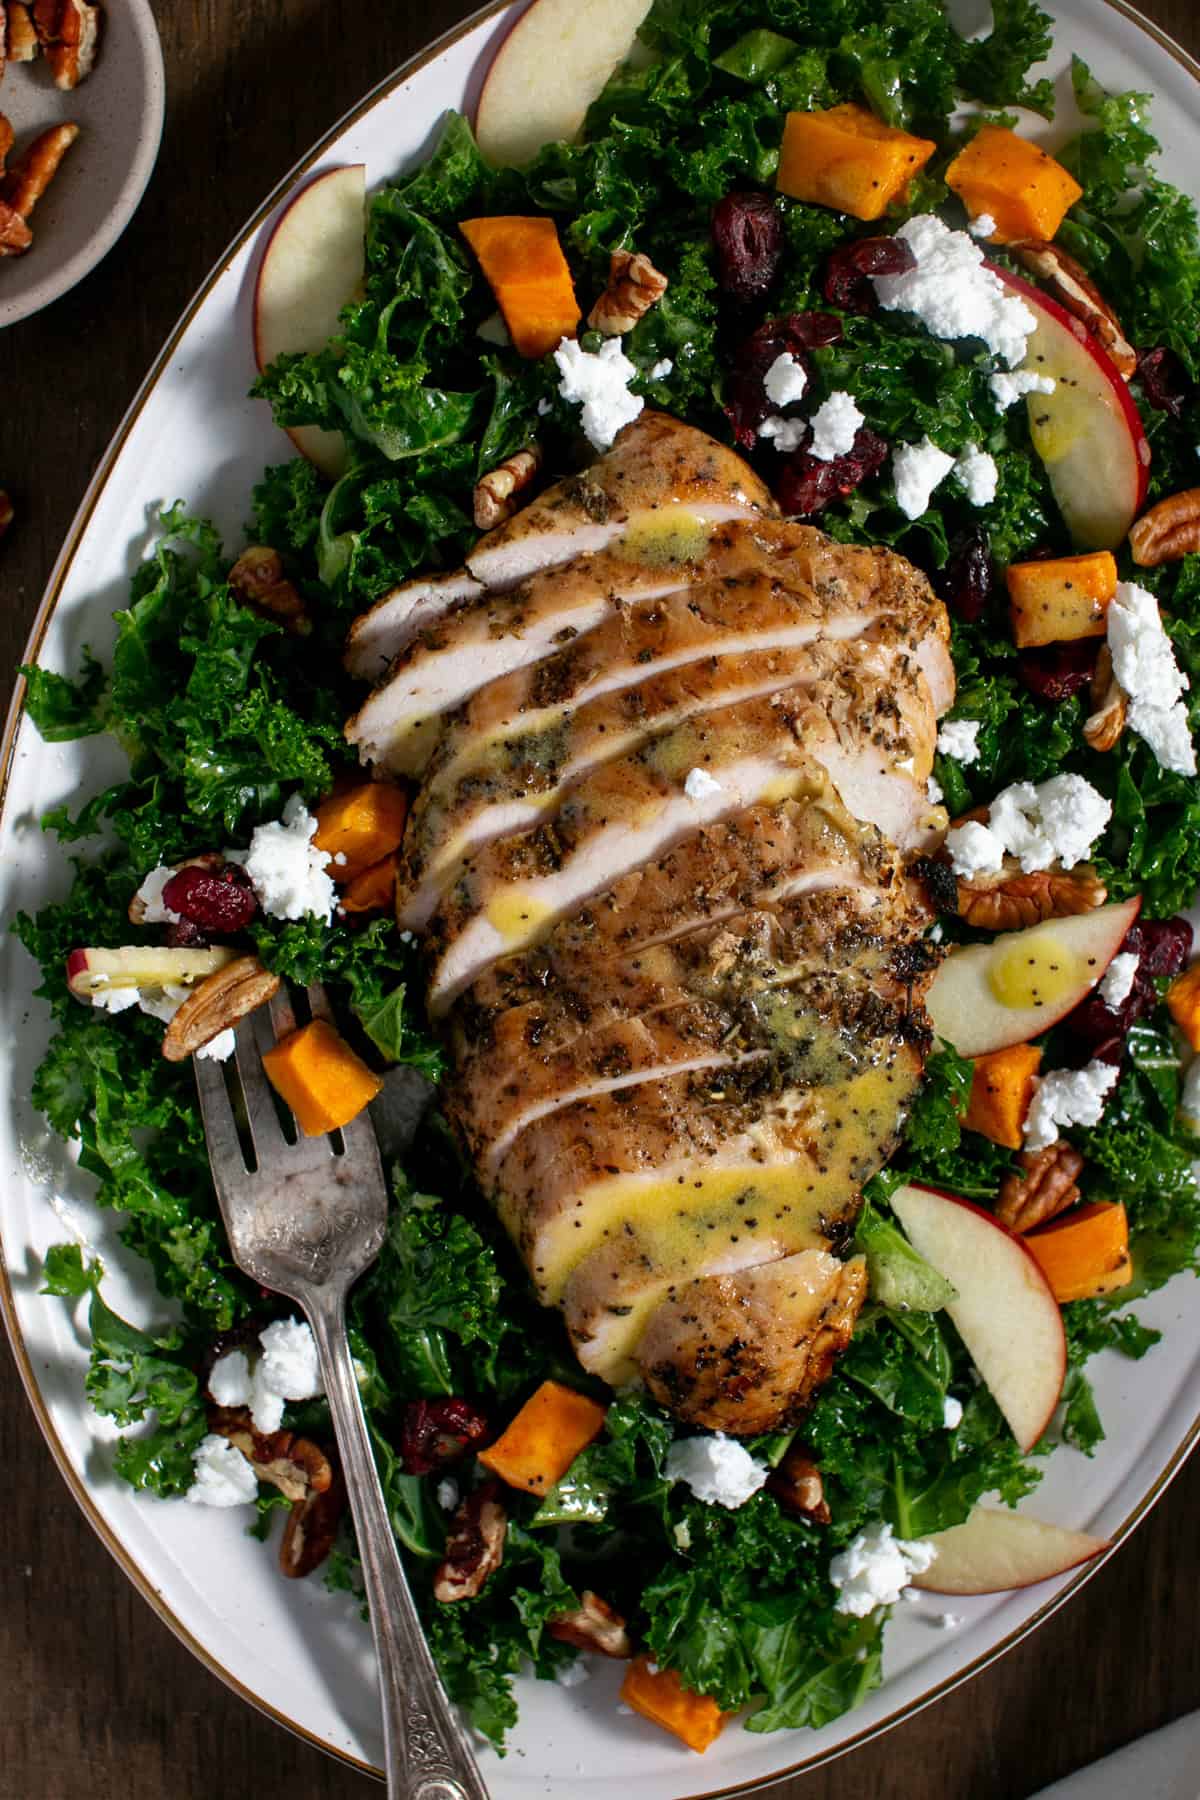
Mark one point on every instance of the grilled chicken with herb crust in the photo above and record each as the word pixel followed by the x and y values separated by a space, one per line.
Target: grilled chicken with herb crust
pixel 671 781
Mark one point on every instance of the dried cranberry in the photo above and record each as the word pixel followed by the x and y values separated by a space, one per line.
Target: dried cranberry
pixel 219 899
pixel 1057 671
pixel 1095 1025
pixel 434 1432
pixel 807 484
pixel 965 584
pixel 748 236
pixel 1163 945
pixel 183 935
pixel 792 334
pixel 848 271
pixel 1164 380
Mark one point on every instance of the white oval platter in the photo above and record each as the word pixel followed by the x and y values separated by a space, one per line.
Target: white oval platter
pixel 299 1653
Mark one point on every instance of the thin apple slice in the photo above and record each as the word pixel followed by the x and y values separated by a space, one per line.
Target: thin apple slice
pixel 1003 1308
pixel 995 1549
pixel 312 265
pixel 988 996
pixel 1088 432
pixel 547 72
pixel 142 966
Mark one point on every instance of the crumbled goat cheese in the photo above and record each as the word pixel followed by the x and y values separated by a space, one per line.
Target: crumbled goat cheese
pixel 158 1002
pixel 875 1568
pixel 287 1370
pixel 952 1412
pixel 979 475
pixel 1144 663
pixel 447 1493
pixel 229 1381
pixel 952 292
pixel 114 1000
pixel 286 870
pixel 662 369
pixel 494 330
pixel 544 406
pixel 150 895
pixel 1057 822
pixel 984 226
pixel 974 850
pixel 683 1531
pixel 700 785
pixel 1008 389
pixel 572 1673
pixel 1118 981
pixel 785 434
pixel 1067 1097
pixel 785 380
pixel 1189 1099
pixel 959 738
pixel 835 425
pixel 599 383
pixel 933 792
pixel 917 469
pixel 718 1469
pixel 220 1048
pixel 223 1477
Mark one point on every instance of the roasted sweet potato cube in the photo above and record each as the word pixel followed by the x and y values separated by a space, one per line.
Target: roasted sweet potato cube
pixel 525 268
pixel 848 159
pixel 544 1439
pixel 1053 602
pixel 1183 1003
pixel 1001 1089
pixel 660 1696
pixel 1084 1253
pixel 1015 182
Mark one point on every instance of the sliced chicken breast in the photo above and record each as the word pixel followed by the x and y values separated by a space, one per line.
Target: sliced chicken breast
pixel 401 616
pixel 527 774
pixel 743 1353
pixel 629 811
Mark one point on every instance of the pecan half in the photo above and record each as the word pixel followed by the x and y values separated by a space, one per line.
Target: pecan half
pixel 69 33
pixel 22 34
pixel 27 179
pixel 1010 899
pixel 15 235
pixel 257 578
pixel 595 1626
pixel 1045 1187
pixel 1168 532
pixel 1106 722
pixel 1072 286
pixel 634 285
pixel 475 1546
pixel 496 493
pixel 219 1002
pixel 798 1487
pixel 6 512
pixel 311 1530
pixel 303 1474
pixel 6 130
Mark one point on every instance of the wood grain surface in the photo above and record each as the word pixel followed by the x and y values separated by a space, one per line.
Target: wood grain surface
pixel 97 1698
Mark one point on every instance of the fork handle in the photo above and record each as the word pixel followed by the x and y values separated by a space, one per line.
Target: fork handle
pixel 428 1757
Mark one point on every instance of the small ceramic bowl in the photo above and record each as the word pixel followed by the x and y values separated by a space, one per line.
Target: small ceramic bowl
pixel 119 111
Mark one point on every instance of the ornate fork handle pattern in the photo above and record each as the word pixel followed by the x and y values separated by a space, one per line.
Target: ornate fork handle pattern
pixel 428 1757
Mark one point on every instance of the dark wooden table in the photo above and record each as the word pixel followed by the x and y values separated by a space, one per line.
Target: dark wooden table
pixel 96 1697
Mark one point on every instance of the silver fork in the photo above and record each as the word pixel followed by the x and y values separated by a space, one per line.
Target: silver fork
pixel 306 1223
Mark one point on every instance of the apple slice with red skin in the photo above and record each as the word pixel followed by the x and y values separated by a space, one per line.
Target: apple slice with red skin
pixel 1088 432
pixel 995 1549
pixel 312 265
pixel 547 72
pixel 142 966
pixel 1004 1313
pixel 1045 971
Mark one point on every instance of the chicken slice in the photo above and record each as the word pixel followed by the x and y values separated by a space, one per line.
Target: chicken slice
pixel 677 1170
pixel 527 774
pixel 402 615
pixel 744 1352
pixel 657 466
pixel 875 740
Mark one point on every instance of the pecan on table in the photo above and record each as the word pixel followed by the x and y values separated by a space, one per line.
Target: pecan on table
pixel 497 492
pixel 798 1487
pixel 1168 532
pixel 15 235
pixel 257 578
pixel 69 34
pixel 634 286
pixel 594 1626
pixel 22 33
pixel 224 997
pixel 28 177
pixel 1071 285
pixel 1011 900
pixel 475 1546
pixel 1104 725
pixel 1045 1187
